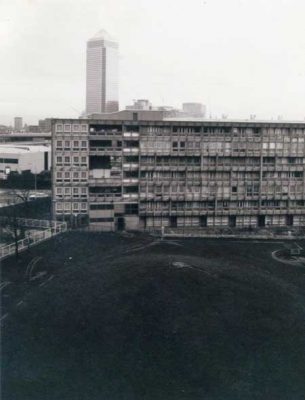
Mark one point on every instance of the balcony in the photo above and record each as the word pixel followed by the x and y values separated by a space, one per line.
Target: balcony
pixel 111 151
pixel 131 151
pixel 98 197
pixel 130 181
pixel 130 196
pixel 131 166
pixel 131 135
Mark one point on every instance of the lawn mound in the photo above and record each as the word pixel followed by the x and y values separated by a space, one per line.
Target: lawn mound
pixel 159 325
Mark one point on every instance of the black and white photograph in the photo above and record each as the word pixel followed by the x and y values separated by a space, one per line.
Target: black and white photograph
pixel 152 200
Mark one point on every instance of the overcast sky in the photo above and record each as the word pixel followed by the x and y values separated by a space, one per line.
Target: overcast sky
pixel 239 57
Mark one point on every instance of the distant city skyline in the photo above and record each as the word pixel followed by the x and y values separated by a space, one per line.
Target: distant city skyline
pixel 239 57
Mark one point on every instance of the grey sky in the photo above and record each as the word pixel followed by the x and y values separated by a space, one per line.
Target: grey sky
pixel 239 57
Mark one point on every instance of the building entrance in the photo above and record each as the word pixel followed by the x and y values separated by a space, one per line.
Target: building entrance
pixel 261 221
pixel 232 221
pixel 120 223
pixel 289 220
pixel 173 222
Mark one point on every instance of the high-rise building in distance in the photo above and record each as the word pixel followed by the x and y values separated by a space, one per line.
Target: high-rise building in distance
pixel 18 124
pixel 194 109
pixel 102 74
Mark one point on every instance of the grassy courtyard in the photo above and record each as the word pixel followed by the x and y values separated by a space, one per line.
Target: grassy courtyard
pixel 107 316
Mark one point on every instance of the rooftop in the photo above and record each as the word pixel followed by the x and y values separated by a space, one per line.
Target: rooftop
pixel 22 149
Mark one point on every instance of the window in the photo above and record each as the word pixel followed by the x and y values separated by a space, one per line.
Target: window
pixel 75 192
pixel 67 128
pixel 84 206
pixel 75 176
pixel 67 206
pixel 84 128
pixel 59 191
pixel 59 160
pixel 59 176
pixel 59 127
pixel 75 206
pixel 101 207
pixel 59 144
pixel 67 160
pixel 9 160
pixel 84 144
pixel 67 191
pixel 59 206
pixel 101 219
pixel 84 160
pixel 67 144
pixel 67 176
pixel 75 160
pixel 76 144
pixel 83 175
pixel 75 128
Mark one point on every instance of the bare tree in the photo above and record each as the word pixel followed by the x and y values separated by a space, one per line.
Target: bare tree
pixel 10 222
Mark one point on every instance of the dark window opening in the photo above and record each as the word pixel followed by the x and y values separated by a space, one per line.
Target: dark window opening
pixel 261 221
pixel 289 220
pixel 173 222
pixel 131 159
pixel 99 162
pixel 131 143
pixel 46 160
pixel 131 189
pixel 101 219
pixel 131 174
pixel 131 209
pixel 100 143
pixel 269 160
pixel 101 206
pixel 105 189
pixel 203 221
pixel 132 128
pixel 9 160
pixel 120 223
pixel 232 221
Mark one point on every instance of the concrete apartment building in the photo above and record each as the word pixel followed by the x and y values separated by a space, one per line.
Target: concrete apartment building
pixel 141 174
pixel 102 74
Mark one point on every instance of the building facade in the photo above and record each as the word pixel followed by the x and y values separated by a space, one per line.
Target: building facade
pixel 20 157
pixel 129 174
pixel 102 74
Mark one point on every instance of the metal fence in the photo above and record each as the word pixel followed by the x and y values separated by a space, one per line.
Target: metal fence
pixel 50 229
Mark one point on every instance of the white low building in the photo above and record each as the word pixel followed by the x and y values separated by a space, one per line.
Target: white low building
pixel 19 158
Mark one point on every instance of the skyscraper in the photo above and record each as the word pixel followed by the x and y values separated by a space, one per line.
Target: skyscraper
pixel 102 74
pixel 18 124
